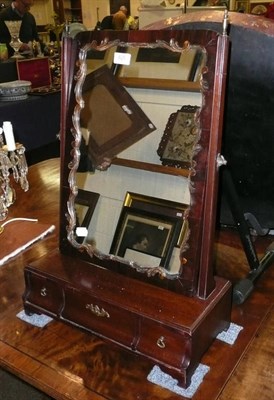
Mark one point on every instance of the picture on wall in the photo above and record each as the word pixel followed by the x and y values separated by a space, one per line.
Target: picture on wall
pixel 242 6
pixel 258 8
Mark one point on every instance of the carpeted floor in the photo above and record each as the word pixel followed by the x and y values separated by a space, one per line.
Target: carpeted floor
pixel 13 388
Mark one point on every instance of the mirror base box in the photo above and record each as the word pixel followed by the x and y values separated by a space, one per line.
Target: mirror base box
pixel 170 330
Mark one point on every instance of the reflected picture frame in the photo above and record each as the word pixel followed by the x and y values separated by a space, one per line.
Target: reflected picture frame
pixel 159 222
pixel 258 8
pixel 85 204
pixel 242 5
pixel 135 226
pixel 88 201
pixel 178 142
pixel 111 116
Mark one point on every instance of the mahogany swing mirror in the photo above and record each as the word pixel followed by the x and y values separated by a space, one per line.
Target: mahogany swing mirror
pixel 146 256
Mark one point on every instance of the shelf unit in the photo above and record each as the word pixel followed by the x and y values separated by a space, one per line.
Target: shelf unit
pixel 68 10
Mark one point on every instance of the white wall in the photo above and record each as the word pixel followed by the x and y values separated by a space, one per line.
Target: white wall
pixel 89 11
pixel 42 11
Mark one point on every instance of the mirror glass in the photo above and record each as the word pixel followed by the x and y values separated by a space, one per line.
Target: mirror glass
pixel 121 218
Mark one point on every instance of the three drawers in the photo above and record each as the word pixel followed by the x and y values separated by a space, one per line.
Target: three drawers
pixel 158 341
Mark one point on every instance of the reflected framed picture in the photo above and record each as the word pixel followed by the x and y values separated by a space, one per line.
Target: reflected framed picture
pixel 148 233
pixel 258 8
pixel 85 204
pixel 242 6
pixel 180 136
pixel 111 116
pixel 148 230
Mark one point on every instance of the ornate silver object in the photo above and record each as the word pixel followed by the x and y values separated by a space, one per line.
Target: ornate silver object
pixel 12 162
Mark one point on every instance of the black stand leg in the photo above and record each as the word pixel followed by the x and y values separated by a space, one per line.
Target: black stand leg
pixel 245 286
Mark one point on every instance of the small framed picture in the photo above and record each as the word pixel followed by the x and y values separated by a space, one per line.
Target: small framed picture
pixel 259 8
pixel 179 138
pixel 111 116
pixel 148 230
pixel 242 6
pixel 149 234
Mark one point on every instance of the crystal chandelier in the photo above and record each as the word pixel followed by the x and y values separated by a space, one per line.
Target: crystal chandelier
pixel 13 168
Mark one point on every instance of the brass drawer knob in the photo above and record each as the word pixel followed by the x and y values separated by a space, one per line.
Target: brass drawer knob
pixel 43 292
pixel 96 310
pixel 161 342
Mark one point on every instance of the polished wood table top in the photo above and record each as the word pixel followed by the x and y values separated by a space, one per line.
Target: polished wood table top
pixel 67 363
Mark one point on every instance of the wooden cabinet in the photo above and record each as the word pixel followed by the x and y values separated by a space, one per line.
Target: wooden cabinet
pixel 68 10
pixel 133 317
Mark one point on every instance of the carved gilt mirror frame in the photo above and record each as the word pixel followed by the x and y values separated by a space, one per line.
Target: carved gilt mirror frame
pixel 196 276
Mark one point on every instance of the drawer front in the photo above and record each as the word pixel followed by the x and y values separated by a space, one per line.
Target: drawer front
pixel 43 293
pixel 99 317
pixel 163 343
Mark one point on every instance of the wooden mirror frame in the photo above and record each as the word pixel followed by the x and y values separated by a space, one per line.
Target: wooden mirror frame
pixel 196 275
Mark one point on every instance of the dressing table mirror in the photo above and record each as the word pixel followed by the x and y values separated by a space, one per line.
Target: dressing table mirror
pixel 162 302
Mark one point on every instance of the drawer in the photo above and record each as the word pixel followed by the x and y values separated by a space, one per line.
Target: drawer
pixel 163 343
pixel 99 316
pixel 43 293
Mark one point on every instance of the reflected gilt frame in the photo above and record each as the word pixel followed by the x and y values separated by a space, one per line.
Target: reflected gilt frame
pixel 179 141
pixel 162 233
pixel 143 214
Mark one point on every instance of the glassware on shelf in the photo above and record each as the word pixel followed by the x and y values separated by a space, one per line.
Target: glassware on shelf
pixel 15 43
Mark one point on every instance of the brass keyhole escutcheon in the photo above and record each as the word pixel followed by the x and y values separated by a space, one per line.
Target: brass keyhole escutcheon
pixel 43 292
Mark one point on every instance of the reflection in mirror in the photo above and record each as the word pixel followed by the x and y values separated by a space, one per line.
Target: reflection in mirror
pixel 148 231
pixel 99 92
pixel 163 63
pixel 179 138
pixel 85 204
pixel 111 118
pixel 153 67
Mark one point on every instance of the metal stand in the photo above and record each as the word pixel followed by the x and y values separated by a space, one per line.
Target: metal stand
pixel 245 286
